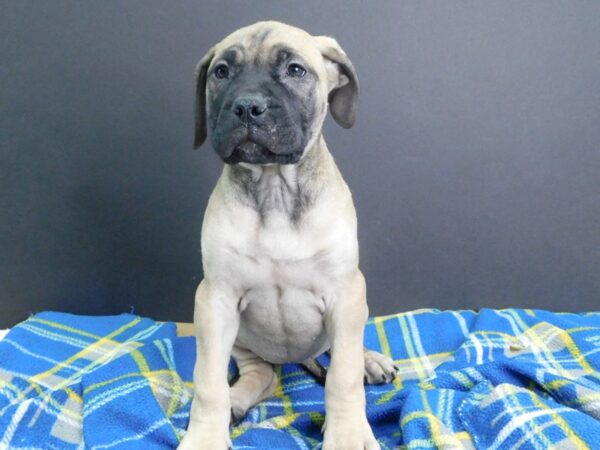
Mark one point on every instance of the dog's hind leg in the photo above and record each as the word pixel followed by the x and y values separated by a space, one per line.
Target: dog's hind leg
pixel 257 381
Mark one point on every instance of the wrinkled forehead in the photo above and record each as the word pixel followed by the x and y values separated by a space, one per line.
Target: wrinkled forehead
pixel 265 45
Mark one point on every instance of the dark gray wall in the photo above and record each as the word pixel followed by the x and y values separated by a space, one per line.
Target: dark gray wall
pixel 475 163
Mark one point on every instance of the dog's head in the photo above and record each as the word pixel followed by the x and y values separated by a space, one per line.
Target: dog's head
pixel 263 93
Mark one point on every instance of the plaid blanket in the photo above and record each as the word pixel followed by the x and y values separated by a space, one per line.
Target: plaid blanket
pixel 495 379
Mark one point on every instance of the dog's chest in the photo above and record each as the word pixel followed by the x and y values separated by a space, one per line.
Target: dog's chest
pixel 282 324
pixel 273 251
pixel 286 275
pixel 284 257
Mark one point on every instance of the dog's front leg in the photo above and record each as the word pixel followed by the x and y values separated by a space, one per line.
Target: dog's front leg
pixel 346 426
pixel 216 322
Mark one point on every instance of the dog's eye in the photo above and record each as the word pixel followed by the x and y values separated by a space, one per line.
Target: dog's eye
pixel 221 71
pixel 296 70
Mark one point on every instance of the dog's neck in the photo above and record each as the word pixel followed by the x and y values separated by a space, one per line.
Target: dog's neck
pixel 283 188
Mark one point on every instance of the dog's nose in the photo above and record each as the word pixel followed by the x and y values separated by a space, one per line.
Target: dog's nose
pixel 249 107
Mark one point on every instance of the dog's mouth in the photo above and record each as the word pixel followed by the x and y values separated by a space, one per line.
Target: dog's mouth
pixel 249 151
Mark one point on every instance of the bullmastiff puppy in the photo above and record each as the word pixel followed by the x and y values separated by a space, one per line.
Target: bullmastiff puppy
pixel 279 243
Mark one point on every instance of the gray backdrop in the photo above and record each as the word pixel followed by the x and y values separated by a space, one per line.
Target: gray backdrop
pixel 475 163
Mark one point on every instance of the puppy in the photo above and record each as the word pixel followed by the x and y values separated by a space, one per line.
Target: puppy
pixel 279 244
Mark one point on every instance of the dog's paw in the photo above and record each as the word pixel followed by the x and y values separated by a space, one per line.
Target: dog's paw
pixel 241 402
pixel 237 415
pixel 348 433
pixel 379 368
pixel 245 396
pixel 201 436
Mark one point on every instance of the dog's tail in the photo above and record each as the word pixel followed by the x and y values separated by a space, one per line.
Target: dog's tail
pixel 316 369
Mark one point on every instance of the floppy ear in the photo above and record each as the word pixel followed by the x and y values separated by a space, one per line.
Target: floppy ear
pixel 343 82
pixel 200 105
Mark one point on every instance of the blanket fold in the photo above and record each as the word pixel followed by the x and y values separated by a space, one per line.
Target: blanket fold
pixel 493 379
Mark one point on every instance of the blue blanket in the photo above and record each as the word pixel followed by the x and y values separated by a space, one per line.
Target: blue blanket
pixel 494 379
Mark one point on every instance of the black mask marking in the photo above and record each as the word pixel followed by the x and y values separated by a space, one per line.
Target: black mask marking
pixel 259 116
